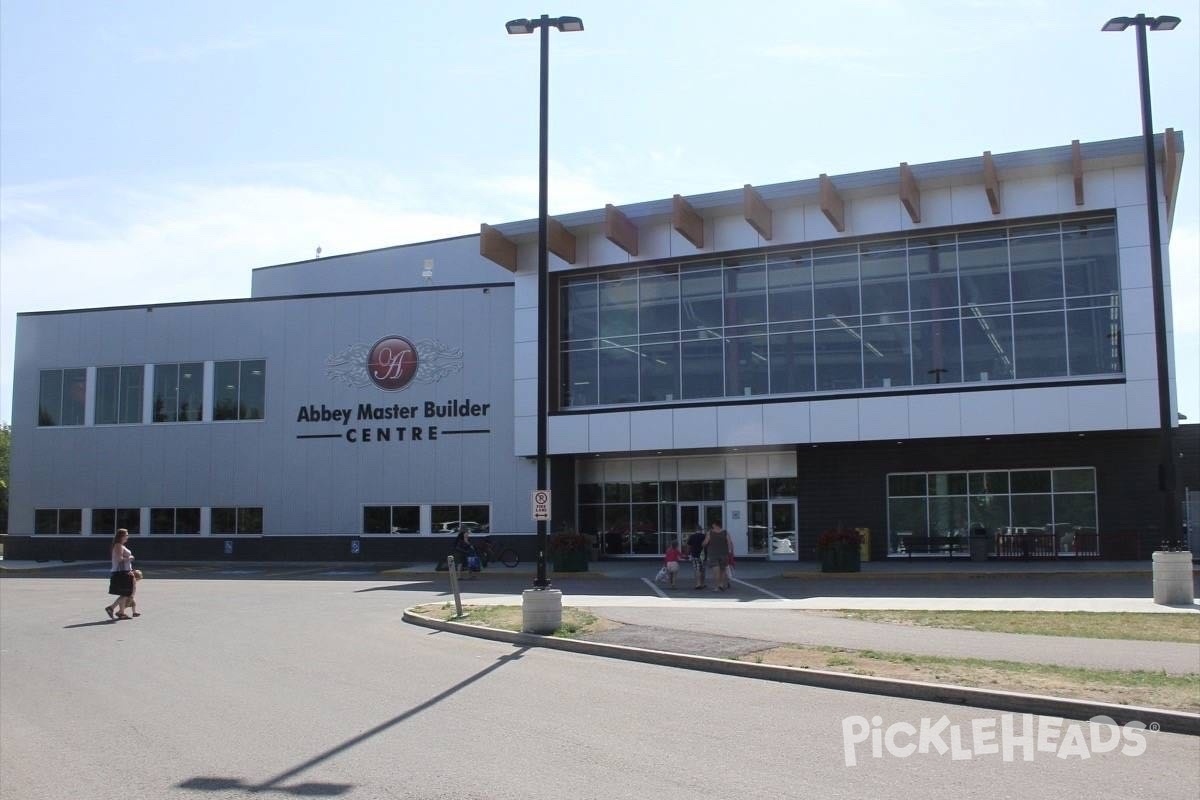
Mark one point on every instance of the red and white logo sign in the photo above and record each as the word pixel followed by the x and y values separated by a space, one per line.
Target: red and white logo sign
pixel 392 362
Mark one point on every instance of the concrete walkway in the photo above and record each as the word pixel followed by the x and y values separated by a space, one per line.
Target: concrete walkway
pixel 678 631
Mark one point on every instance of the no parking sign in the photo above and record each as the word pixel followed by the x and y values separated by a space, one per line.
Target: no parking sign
pixel 541 504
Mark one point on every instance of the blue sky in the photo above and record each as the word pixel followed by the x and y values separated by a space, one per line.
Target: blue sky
pixel 156 152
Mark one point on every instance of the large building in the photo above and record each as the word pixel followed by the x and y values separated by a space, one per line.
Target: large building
pixel 918 351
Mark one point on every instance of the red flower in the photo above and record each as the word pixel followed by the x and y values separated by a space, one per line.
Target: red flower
pixel 838 537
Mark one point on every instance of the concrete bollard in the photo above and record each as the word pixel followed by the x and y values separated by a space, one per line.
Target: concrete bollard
pixel 1173 578
pixel 541 611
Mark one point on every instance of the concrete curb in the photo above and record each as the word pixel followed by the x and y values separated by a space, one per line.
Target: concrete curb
pixel 1167 720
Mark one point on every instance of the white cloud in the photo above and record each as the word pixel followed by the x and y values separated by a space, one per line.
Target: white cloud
pixel 88 244
pixel 178 244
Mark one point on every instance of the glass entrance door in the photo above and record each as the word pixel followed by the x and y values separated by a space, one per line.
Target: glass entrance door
pixel 783 530
pixel 698 516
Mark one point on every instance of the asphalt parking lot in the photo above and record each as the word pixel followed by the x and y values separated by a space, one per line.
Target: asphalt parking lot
pixel 1118 587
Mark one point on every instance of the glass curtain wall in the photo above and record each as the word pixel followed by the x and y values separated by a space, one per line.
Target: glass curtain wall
pixel 639 517
pixel 1016 303
pixel 1060 501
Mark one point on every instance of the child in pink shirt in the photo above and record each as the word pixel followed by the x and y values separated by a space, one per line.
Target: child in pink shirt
pixel 672 563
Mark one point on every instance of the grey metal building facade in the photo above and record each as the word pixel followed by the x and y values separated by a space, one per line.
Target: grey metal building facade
pixel 913 351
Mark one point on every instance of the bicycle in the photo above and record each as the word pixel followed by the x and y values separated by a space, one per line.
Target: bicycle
pixel 489 552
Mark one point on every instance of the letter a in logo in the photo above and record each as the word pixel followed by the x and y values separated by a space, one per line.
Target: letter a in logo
pixel 392 363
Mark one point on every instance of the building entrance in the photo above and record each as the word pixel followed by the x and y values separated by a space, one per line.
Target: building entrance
pixel 698 516
pixel 783 530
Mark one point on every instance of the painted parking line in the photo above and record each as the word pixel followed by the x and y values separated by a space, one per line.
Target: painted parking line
pixel 658 591
pixel 758 589
pixel 239 571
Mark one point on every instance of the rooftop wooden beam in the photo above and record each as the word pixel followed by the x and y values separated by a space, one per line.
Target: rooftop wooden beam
pixel 619 230
pixel 831 204
pixel 991 182
pixel 687 222
pixel 1170 165
pixel 756 211
pixel 497 247
pixel 1077 171
pixel 560 241
pixel 910 193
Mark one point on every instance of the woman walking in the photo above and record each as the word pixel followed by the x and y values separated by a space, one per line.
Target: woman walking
pixel 121 582
pixel 719 547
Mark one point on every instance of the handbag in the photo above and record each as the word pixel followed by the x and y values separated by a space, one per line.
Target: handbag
pixel 661 577
pixel 473 563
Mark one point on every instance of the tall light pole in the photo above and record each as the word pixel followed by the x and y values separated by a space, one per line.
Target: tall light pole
pixel 1166 467
pixel 518 26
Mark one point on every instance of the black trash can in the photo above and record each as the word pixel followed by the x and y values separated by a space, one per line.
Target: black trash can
pixel 980 543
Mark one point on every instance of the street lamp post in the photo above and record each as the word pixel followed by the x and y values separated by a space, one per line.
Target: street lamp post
pixel 522 26
pixel 1166 475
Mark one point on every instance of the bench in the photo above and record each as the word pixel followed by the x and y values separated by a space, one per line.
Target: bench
pixel 934 544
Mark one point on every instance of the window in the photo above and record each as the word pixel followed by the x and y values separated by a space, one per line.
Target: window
pixel 790 293
pixel 179 392
pixel 1056 500
pixel 933 273
pixel 239 389
pixel 792 364
pixel 391 519
pixel 181 521
pixel 61 397
pixel 448 519
pixel 746 366
pixel 57 521
pixel 701 368
pixel 983 268
pixel 884 278
pixel 106 521
pixel 237 520
pixel 1037 264
pixel 887 356
pixel 936 349
pixel 839 357
pixel 745 292
pixel 119 395
pixel 659 301
pixel 1019 303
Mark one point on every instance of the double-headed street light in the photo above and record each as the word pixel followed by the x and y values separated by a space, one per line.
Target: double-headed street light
pixel 1166 414
pixel 518 26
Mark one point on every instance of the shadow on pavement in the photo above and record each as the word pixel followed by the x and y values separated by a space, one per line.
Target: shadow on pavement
pixel 312 789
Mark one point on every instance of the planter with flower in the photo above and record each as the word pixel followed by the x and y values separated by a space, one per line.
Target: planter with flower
pixel 839 550
pixel 569 550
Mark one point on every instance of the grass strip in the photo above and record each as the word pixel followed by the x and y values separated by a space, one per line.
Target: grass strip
pixel 1134 687
pixel 1083 624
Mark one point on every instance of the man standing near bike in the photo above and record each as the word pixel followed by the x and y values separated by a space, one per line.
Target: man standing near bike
pixel 465 555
